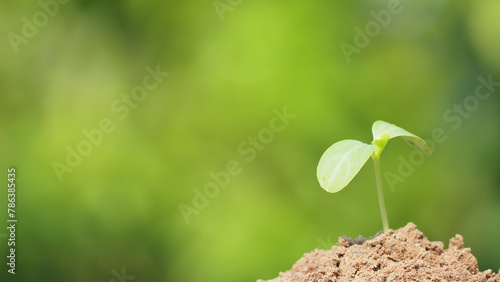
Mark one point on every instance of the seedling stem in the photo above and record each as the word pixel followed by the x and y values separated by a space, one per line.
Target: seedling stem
pixel 380 193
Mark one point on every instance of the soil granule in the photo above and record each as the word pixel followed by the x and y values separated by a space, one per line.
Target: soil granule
pixel 397 255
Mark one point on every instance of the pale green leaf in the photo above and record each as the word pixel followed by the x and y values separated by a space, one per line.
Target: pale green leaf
pixel 341 162
pixel 380 128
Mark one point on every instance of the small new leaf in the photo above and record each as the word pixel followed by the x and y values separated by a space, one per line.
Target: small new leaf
pixel 341 162
pixel 380 128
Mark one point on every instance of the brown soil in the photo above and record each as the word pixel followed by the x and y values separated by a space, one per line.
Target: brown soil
pixel 397 255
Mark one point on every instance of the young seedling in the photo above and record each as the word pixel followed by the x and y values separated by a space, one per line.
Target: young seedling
pixel 343 160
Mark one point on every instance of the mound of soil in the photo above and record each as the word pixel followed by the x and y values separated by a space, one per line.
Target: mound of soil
pixel 403 254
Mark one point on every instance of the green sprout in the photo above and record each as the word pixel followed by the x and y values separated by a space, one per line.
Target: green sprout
pixel 343 160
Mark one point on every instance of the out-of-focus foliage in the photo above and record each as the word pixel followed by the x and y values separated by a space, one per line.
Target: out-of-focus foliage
pixel 217 110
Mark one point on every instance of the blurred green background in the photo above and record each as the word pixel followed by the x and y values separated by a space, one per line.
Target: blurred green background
pixel 231 66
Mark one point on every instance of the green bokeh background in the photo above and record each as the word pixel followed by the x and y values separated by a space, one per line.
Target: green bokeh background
pixel 120 207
